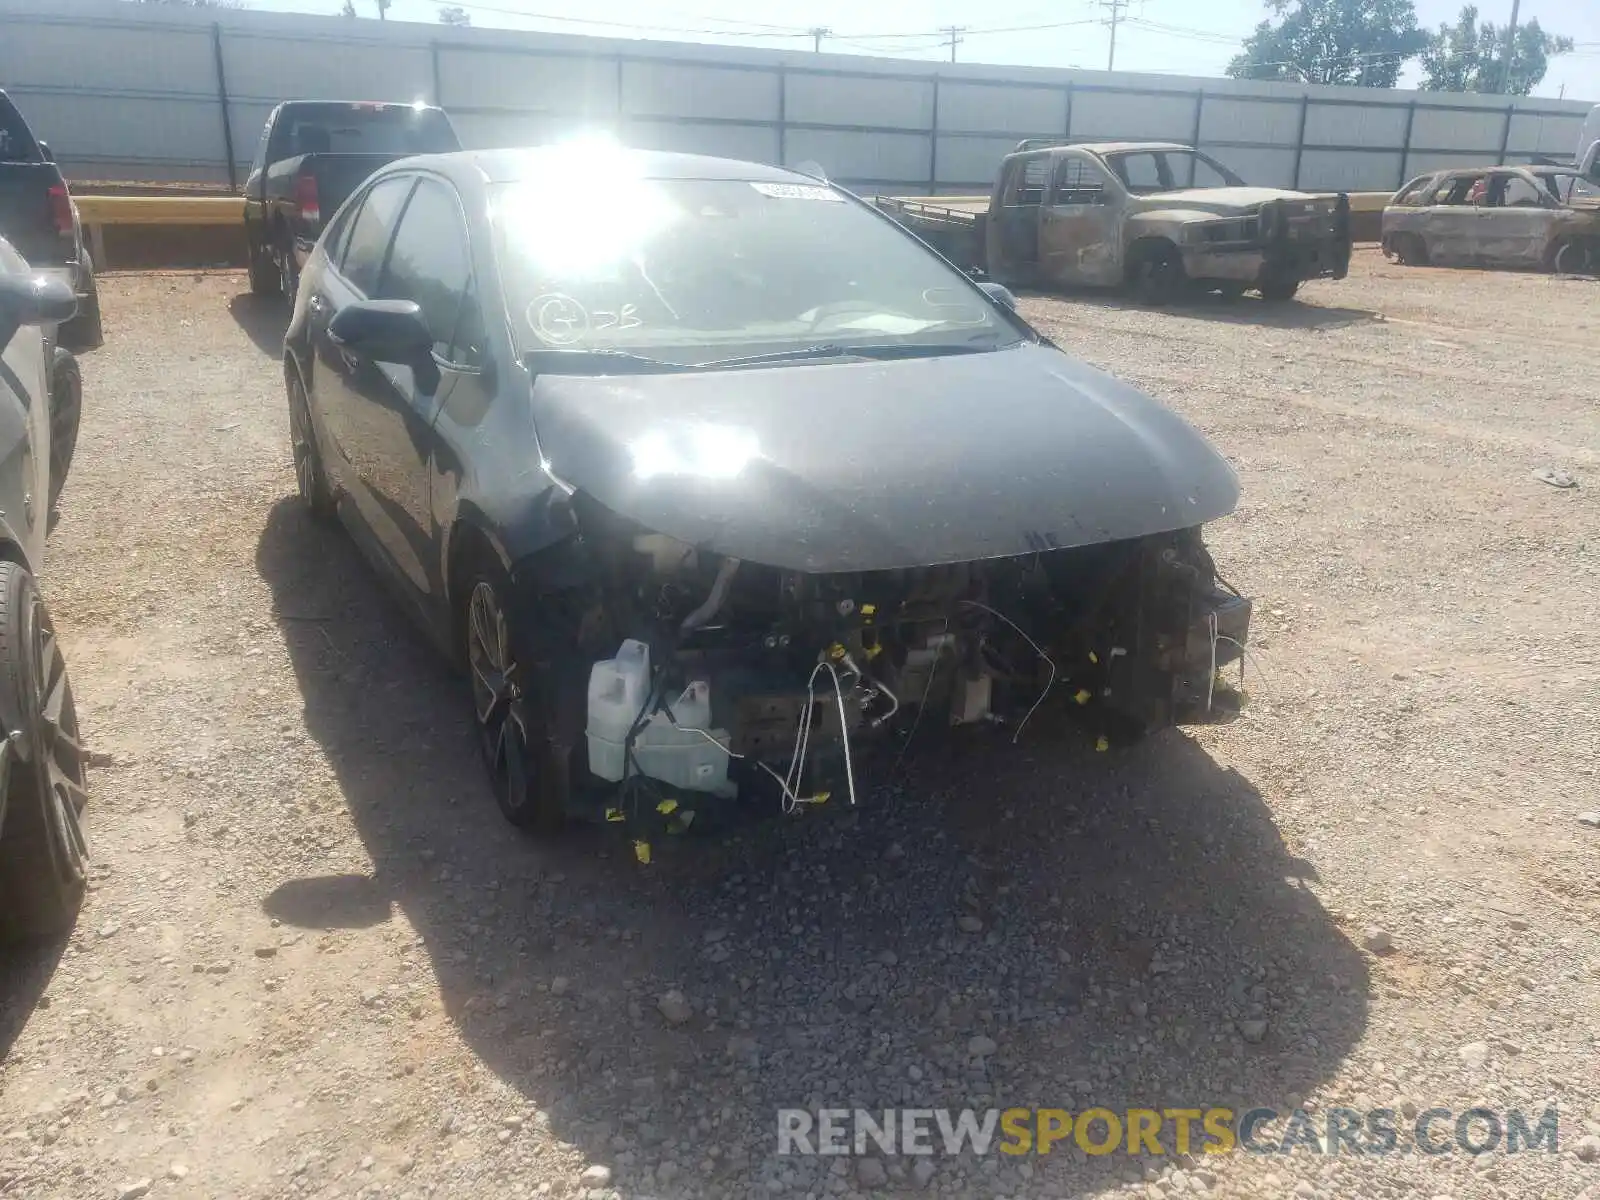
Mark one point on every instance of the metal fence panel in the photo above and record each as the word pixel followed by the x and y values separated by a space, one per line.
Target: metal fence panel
pixel 160 92
pixel 514 81
pixel 664 89
pixel 985 108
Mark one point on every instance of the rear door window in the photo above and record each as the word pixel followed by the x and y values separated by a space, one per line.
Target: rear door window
pixel 1078 182
pixel 1030 181
pixel 372 231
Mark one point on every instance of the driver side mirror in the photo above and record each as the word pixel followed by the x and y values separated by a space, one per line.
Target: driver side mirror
pixel 32 300
pixel 390 331
pixel 1000 294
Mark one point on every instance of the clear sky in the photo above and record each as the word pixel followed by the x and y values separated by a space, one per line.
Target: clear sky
pixel 1175 36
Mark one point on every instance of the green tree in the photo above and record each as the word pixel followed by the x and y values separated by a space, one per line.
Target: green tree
pixel 1469 57
pixel 454 14
pixel 1363 43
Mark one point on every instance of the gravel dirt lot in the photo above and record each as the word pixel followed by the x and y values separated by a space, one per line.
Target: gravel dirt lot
pixel 315 963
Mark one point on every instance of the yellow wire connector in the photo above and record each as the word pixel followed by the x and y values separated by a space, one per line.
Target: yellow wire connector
pixel 641 851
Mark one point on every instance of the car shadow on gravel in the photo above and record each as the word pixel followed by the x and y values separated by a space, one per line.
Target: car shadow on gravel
pixel 1136 933
pixel 25 974
pixel 264 318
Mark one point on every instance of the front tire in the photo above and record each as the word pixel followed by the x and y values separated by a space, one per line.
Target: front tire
pixel 310 476
pixel 44 857
pixel 526 773
pixel 1158 275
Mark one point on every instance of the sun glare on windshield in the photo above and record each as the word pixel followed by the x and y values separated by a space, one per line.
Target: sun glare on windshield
pixel 576 231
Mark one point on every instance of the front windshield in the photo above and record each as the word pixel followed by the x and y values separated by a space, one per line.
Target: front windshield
pixel 697 271
pixel 1147 171
pixel 1569 186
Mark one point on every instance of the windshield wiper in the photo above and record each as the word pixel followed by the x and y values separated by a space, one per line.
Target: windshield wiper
pixel 885 350
pixel 597 362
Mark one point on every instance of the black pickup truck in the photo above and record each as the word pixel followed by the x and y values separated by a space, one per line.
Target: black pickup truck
pixel 312 155
pixel 40 221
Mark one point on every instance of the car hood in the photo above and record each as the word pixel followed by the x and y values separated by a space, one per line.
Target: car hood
pixel 1226 199
pixel 864 465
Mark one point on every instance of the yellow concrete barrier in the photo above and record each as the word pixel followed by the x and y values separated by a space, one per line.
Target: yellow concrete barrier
pixel 160 210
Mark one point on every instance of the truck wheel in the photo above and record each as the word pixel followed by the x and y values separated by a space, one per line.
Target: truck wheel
pixel 1158 275
pixel 1279 287
pixel 85 331
pixel 264 277
pixel 43 855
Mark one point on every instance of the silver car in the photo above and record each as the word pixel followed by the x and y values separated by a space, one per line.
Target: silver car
pixel 1542 217
pixel 43 858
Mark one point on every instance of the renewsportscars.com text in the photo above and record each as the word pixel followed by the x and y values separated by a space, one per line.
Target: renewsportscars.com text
pixel 1151 1131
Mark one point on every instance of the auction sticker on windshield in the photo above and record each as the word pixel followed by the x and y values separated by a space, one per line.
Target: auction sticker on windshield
pixel 798 191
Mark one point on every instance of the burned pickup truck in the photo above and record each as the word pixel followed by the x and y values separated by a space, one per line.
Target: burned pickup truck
pixel 1156 217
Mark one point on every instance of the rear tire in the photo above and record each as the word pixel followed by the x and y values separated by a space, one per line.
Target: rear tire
pixel 85 331
pixel 528 776
pixel 264 277
pixel 1279 288
pixel 66 414
pixel 44 858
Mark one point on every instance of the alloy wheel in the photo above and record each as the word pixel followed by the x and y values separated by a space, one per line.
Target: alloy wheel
pixel 497 700
pixel 60 755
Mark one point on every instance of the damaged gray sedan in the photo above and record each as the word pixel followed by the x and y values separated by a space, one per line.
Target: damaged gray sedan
pixel 715 480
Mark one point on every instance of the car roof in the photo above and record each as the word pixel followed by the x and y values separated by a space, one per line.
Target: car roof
pixel 1124 147
pixel 509 166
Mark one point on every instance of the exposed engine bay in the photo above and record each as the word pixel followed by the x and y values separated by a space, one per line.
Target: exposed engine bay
pixel 697 675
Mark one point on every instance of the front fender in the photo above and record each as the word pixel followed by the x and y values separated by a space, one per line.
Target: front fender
pixel 1168 223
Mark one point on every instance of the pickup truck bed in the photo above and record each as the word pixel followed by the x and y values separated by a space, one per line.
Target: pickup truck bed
pixel 313 155
pixel 952 225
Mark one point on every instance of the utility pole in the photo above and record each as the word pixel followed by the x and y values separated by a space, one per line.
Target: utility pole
pixel 383 10
pixel 1510 47
pixel 1118 9
pixel 954 32
pixel 818 32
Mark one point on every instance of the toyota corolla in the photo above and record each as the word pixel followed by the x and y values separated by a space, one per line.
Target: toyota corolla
pixel 713 479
